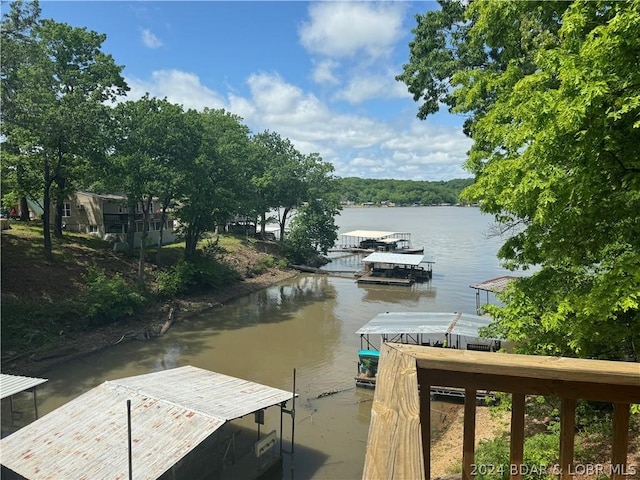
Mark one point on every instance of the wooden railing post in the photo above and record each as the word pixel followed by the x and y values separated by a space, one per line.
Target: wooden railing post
pixel 621 412
pixel 425 424
pixel 516 454
pixel 567 435
pixel 469 435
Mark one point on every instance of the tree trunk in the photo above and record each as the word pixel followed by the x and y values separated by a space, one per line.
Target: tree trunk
pixel 24 206
pixel 190 242
pixel 163 218
pixel 46 214
pixel 24 210
pixel 283 222
pixel 131 227
pixel 60 194
pixel 57 220
pixel 143 239
pixel 263 223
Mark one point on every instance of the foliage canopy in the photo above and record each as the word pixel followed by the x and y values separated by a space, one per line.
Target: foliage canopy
pixel 552 95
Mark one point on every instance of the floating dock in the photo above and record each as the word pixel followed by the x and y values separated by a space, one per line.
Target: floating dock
pixel 384 268
pixel 433 329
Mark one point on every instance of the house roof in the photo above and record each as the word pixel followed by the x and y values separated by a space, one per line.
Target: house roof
pixel 392 323
pixel 105 196
pixel 397 258
pixel 12 384
pixel 172 412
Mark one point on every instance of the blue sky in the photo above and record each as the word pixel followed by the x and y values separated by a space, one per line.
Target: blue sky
pixel 319 73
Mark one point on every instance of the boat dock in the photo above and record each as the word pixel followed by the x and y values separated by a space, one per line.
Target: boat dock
pixel 384 268
pixel 438 330
pixel 368 241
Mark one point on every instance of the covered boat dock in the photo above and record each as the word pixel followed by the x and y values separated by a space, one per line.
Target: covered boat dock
pixel 433 329
pixel 493 285
pixel 12 385
pixel 396 269
pixel 170 418
pixel 377 240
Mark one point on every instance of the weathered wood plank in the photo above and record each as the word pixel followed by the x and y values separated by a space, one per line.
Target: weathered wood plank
pixel 425 422
pixel 469 434
pixel 567 436
pixel 621 414
pixel 516 453
pixel 527 366
pixel 394 448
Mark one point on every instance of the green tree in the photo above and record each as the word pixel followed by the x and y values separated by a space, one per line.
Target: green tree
pixel 313 229
pixel 552 91
pixel 154 145
pixel 214 184
pixel 57 84
pixel 282 183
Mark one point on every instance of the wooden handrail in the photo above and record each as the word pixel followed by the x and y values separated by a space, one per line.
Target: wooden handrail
pixel 407 372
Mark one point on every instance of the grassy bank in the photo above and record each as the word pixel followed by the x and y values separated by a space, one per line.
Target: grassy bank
pixel 87 297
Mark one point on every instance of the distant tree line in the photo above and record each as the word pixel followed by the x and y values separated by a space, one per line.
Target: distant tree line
pixel 400 192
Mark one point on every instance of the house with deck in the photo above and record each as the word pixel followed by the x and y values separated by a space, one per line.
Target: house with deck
pixel 107 216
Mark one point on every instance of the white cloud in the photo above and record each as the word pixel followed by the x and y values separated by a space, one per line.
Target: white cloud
pixel 323 73
pixel 356 145
pixel 364 87
pixel 179 87
pixel 350 28
pixel 150 40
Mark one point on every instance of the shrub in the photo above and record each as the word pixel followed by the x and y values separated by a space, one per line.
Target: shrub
pixel 540 456
pixel 264 263
pixel 204 273
pixel 178 279
pixel 109 299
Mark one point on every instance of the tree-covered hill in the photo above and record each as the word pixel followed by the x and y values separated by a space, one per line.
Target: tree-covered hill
pixel 400 192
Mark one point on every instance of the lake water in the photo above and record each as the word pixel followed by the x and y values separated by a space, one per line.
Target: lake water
pixel 309 324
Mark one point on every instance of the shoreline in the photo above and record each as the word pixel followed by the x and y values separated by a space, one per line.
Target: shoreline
pixel 145 326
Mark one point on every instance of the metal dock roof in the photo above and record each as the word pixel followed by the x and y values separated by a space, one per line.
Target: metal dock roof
pixel 12 384
pixel 397 258
pixel 373 234
pixel 495 284
pixel 172 412
pixel 391 323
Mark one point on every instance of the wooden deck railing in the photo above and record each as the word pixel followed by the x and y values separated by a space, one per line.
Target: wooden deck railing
pixel 400 431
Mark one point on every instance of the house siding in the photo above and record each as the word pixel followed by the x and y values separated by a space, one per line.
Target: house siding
pixel 106 217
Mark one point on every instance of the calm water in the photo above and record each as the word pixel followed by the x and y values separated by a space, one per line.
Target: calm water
pixel 308 324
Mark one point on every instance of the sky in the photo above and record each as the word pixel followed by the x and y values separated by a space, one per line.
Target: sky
pixel 321 74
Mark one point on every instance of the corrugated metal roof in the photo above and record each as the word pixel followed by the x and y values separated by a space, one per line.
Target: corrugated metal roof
pixel 12 384
pixel 171 413
pixel 390 323
pixel 468 325
pixel 395 258
pixel 495 284
pixel 209 392
pixel 374 234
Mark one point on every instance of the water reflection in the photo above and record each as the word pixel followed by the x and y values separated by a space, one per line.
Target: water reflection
pixel 394 294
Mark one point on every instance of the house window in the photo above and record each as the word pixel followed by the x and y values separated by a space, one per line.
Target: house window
pixel 168 225
pixel 93 229
pixel 66 209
